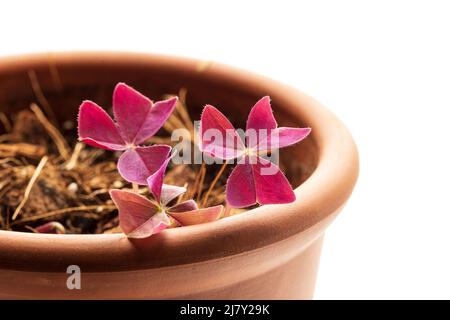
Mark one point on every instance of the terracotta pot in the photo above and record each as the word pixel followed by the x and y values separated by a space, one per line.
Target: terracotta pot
pixel 271 252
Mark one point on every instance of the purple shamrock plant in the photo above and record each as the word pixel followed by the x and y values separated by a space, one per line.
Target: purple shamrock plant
pixel 137 120
pixel 141 217
pixel 254 179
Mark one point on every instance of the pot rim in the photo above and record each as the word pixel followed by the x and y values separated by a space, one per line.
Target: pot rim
pixel 322 194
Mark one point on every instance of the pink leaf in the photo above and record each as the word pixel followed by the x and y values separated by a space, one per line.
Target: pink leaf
pixel 135 165
pixel 272 187
pixel 51 227
pixel 96 128
pixel 257 180
pixel 188 205
pixel 158 115
pixel 283 137
pixel 260 122
pixel 240 189
pixel 218 138
pixel 155 181
pixel 131 110
pixel 261 115
pixel 154 225
pixel 138 216
pixel 169 192
pixel 197 216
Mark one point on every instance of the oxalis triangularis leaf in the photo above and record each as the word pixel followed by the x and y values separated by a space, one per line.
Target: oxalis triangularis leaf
pixel 137 120
pixel 248 184
pixel 140 217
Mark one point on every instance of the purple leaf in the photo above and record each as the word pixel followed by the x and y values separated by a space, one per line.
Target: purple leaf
pixel 51 227
pixel 138 216
pixel 169 192
pixel 154 225
pixel 131 109
pixel 257 181
pixel 218 138
pixel 158 115
pixel 96 128
pixel 188 205
pixel 136 165
pixel 137 117
pixel 187 218
pixel 272 187
pixel 240 188
pixel 283 137
pixel 155 181
pixel 261 115
pixel 260 122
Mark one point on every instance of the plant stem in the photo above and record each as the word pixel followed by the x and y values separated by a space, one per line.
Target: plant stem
pixel 227 211
pixel 213 183
pixel 202 178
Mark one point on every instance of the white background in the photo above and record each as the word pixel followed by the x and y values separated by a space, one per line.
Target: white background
pixel 382 66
